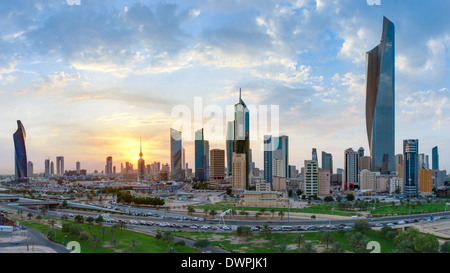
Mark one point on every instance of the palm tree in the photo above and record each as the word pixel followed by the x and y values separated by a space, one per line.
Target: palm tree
pixel 273 212
pixel 281 214
pixel 52 222
pixel 29 215
pixel 299 239
pixel 308 248
pixel 337 248
pixel 190 210
pixel 282 248
pixel 212 213
pixel 167 236
pixel 114 241
pixel 205 211
pixel 266 231
pixel 327 238
pixel 133 241
pixel 94 238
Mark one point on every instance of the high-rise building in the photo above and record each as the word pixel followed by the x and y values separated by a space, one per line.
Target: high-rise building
pixel 278 168
pixel 141 163
pixel 206 167
pixel 361 152
pixel 52 168
pixel 230 144
pixel 60 165
pixel 217 167
pixel 398 161
pixel 350 174
pixel 242 134
pixel 200 156
pixel 411 166
pixel 20 152
pixel 314 154
pixel 327 162
pixel 281 152
pixel 425 181
pixel 108 166
pixel 238 179
pixel 47 168
pixel 30 169
pixel 311 178
pixel 324 182
pixel 268 177
pixel 176 155
pixel 78 166
pixel 364 163
pixel 367 180
pixel 435 158
pixel 380 101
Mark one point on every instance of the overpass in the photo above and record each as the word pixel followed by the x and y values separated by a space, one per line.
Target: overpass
pixel 36 204
pixel 9 198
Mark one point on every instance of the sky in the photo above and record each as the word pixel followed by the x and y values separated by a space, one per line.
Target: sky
pixel 88 78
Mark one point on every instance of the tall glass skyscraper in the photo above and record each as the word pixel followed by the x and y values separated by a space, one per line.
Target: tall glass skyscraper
pixel 200 157
pixel 281 152
pixel 411 167
pixel 327 162
pixel 230 144
pixel 176 155
pixel 314 154
pixel 242 134
pixel 20 152
pixel 380 101
pixel 268 159
pixel 435 158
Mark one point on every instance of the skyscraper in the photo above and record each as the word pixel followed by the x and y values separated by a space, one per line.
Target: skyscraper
pixel 30 169
pixel 47 168
pixel 435 158
pixel 200 158
pixel 268 159
pixel 141 163
pixel 311 177
pixel 411 167
pixel 314 154
pixel 281 152
pixel 242 134
pixel 327 162
pixel 78 165
pixel 380 100
pixel 60 165
pixel 20 152
pixel 108 166
pixel 230 144
pixel 176 156
pixel 350 174
pixel 217 166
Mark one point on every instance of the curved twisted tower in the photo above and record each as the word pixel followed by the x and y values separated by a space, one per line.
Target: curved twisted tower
pixel 20 151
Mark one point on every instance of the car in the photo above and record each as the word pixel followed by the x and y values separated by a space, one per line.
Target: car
pixel 401 223
pixel 347 227
pixel 390 224
pixel 378 225
pixel 254 228
pixel 194 227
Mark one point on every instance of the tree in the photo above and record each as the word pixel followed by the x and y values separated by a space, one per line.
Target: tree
pixel 299 240
pixel 257 215
pixel 29 215
pixel 99 220
pixel 326 237
pixel 229 190
pixel 308 248
pixel 51 233
pixel 281 214
pixel 52 222
pixel 122 225
pixel 282 248
pixel 385 230
pixel 244 231
pixel 90 219
pixel 94 237
pixel 328 198
pixel 79 219
pixel 202 243
pixel 350 197
pixel 362 226
pixel 445 248
pixel 213 213
pixel 266 231
pixel 167 236
pixel 190 210
pixel 64 204
pixel 338 198
pixel 133 242
pixel 273 212
pixel 337 248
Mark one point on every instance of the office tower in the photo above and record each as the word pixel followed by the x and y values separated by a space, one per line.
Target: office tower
pixel 268 176
pixel 200 157
pixel 108 166
pixel 230 144
pixel 217 167
pixel 141 163
pixel 380 101
pixel 339 171
pixel 206 166
pixel 421 161
pixel 242 134
pixel 435 158
pixel 314 154
pixel 60 165
pixel 367 180
pixel 281 152
pixel 425 180
pixel 398 161
pixel 239 173
pixel 278 168
pixel 78 165
pixel 52 168
pixel 30 169
pixel 364 163
pixel 361 152
pixel 410 166
pixel 47 168
pixel 350 175
pixel 292 171
pixel 327 162
pixel 324 182
pixel 176 155
pixel 20 152
pixel 311 179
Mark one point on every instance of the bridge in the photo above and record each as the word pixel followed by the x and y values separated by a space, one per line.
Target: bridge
pixel 9 198
pixel 36 204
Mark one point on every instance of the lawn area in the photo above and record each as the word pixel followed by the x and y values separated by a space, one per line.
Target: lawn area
pixel 258 243
pixel 398 209
pixel 126 241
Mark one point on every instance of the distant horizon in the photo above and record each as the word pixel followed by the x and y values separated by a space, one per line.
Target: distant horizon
pixel 86 98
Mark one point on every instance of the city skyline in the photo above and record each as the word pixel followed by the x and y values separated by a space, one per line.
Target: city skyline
pixel 86 99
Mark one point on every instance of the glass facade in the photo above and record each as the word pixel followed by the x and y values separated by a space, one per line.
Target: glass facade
pixel 230 144
pixel 20 152
pixel 411 167
pixel 176 155
pixel 435 158
pixel 200 159
pixel 380 104
pixel 242 134
pixel 327 162
pixel 268 177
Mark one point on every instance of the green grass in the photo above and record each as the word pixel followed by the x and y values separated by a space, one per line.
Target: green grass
pixel 143 243
pixel 389 209
pixel 260 244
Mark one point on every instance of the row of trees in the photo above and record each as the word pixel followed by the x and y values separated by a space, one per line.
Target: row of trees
pixel 126 197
